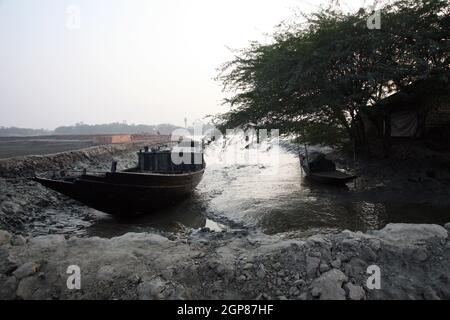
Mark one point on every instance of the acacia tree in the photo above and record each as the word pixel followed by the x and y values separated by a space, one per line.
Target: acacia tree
pixel 315 78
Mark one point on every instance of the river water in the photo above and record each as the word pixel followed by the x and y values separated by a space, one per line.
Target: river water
pixel 265 189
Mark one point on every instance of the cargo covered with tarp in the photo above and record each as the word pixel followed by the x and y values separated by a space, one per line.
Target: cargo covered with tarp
pixel 318 162
pixel 404 124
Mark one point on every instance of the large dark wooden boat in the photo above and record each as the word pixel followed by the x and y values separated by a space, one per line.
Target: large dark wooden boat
pixel 322 170
pixel 155 182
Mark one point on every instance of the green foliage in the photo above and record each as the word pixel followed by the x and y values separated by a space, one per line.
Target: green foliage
pixel 314 78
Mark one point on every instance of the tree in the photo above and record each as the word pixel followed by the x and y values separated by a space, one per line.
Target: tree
pixel 315 78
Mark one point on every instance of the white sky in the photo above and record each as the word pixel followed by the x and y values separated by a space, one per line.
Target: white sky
pixel 143 61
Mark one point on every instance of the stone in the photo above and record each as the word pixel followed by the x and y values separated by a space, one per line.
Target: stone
pixel 152 289
pixel 106 273
pixel 261 273
pixel 315 292
pixel 354 292
pixel 6 265
pixel 420 254
pixel 375 245
pixel 447 226
pixel 368 254
pixel 5 237
pixel 312 263
pixel 300 283
pixel 167 274
pixel 241 278
pixel 336 263
pixel 303 296
pixel 358 266
pixel 350 244
pixel 409 234
pixel 11 207
pixel 135 279
pixel 348 270
pixel 248 266
pixel 18 240
pixel 324 267
pixel 277 266
pixel 27 287
pixel 26 270
pixel 8 288
pixel 263 296
pixel 430 294
pixel 292 290
pixel 330 285
pixel 220 270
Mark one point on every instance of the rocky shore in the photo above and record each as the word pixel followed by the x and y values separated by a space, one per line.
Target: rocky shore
pixel 413 261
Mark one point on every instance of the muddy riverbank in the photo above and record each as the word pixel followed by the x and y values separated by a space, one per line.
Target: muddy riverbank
pixel 413 262
pixel 26 206
pixel 270 196
pixel 248 232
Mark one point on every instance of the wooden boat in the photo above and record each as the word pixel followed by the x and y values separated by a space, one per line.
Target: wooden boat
pixel 154 183
pixel 322 170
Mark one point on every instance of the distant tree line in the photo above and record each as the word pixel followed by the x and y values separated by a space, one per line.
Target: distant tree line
pixel 14 131
pixel 110 128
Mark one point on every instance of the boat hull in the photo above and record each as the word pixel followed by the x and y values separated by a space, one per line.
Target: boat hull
pixel 328 177
pixel 331 180
pixel 125 193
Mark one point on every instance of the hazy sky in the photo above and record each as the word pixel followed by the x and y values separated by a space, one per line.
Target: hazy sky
pixel 143 61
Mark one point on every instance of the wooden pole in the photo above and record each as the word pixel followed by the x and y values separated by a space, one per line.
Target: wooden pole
pixel 114 166
pixel 299 158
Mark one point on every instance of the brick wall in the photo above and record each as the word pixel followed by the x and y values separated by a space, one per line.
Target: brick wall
pixel 152 138
pixel 124 138
pixel 112 139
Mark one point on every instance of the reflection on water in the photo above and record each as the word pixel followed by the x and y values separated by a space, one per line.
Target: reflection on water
pixel 271 194
pixel 185 214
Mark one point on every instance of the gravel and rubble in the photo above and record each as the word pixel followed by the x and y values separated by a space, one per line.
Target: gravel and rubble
pixel 413 260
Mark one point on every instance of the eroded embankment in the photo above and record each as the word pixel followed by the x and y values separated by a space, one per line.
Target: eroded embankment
pixel 91 158
pixel 26 206
pixel 410 168
pixel 413 261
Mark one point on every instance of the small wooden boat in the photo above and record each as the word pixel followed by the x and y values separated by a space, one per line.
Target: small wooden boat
pixel 322 170
pixel 154 183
